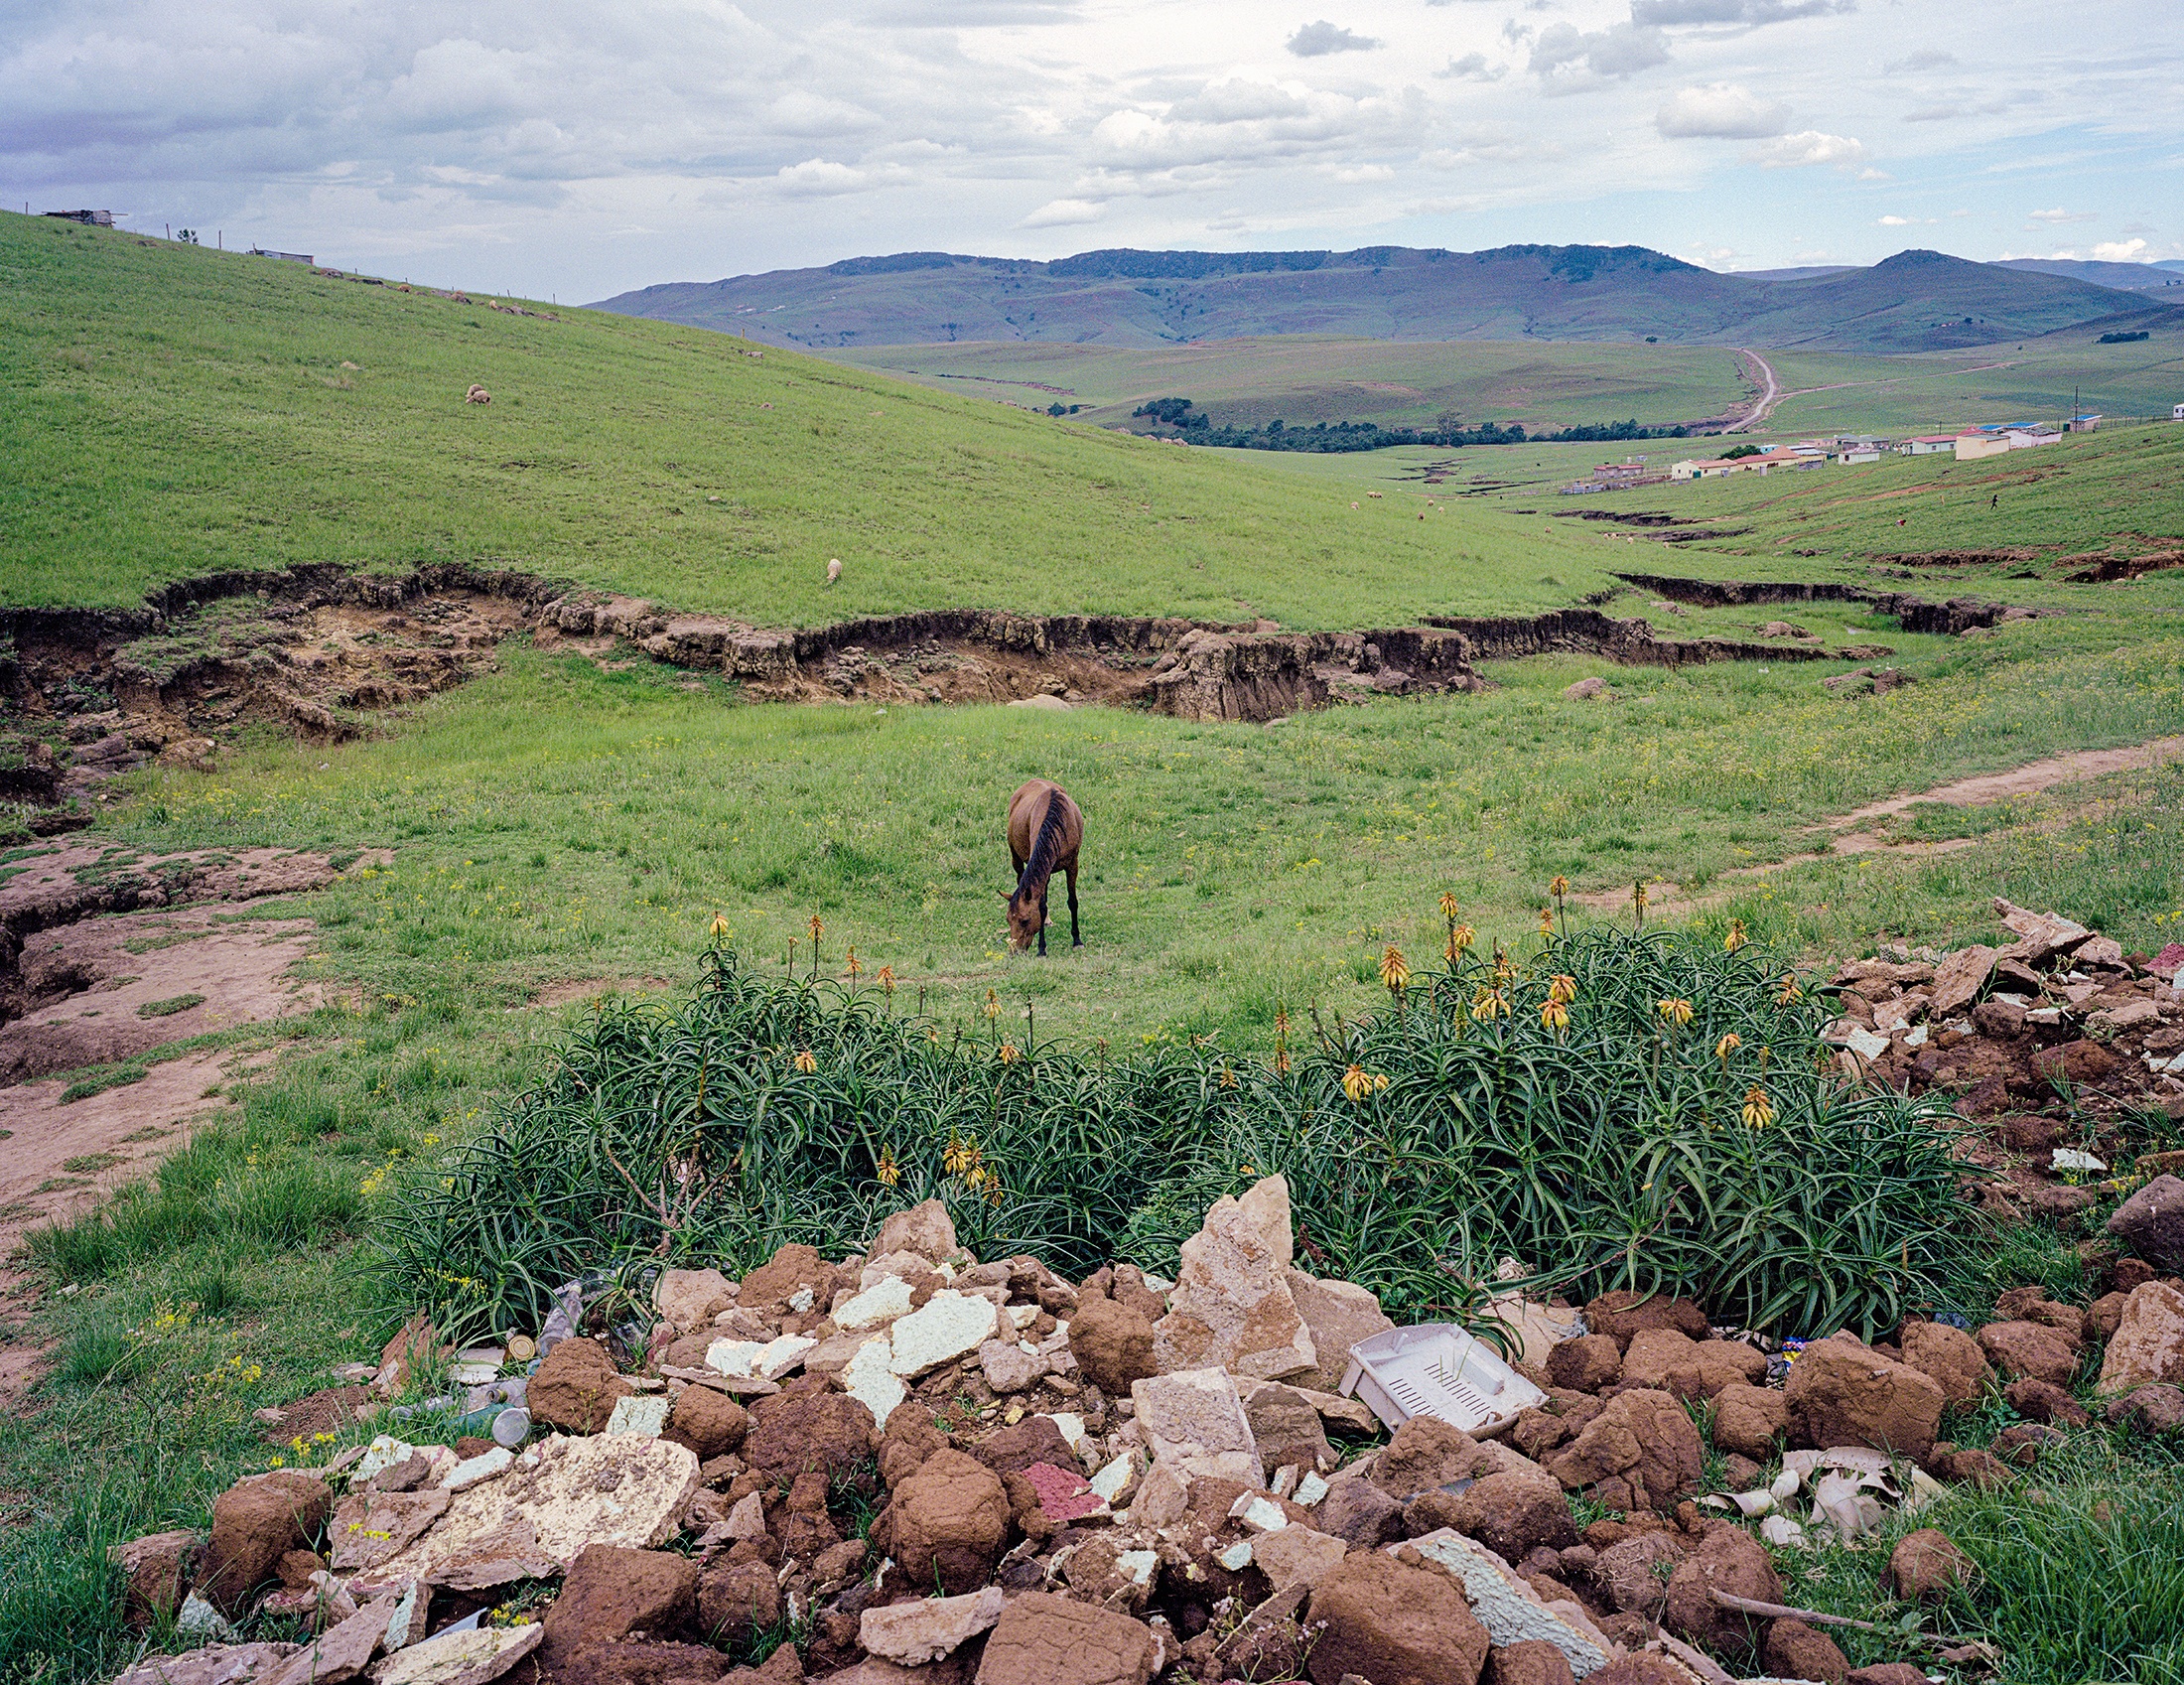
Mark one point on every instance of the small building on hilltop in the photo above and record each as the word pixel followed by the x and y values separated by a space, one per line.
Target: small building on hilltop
pixel 303 257
pixel 1929 445
pixel 1970 447
pixel 89 219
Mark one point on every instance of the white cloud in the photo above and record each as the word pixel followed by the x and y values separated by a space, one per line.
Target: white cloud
pixel 1750 14
pixel 1895 221
pixel 1927 59
pixel 1472 66
pixel 1719 111
pixel 2120 251
pixel 1064 213
pixel 1566 58
pixel 1316 41
pixel 1807 146
pixel 819 177
pixel 2059 215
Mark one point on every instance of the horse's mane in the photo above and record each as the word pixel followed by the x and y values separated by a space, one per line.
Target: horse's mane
pixel 1040 865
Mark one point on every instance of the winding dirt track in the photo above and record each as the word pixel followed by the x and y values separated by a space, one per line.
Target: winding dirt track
pixel 1846 836
pixel 1772 396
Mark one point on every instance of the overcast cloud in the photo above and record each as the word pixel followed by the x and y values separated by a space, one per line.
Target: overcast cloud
pixel 567 150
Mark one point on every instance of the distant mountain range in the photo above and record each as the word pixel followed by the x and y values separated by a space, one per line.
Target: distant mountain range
pixel 1915 301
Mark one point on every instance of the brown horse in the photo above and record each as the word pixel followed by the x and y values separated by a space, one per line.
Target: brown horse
pixel 1045 829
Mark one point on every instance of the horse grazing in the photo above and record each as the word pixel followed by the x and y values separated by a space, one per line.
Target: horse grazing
pixel 1045 829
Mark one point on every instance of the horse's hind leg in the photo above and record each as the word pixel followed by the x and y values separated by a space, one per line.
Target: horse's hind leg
pixel 1076 940
pixel 1042 921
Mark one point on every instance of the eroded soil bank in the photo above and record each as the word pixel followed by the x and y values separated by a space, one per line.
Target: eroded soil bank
pixel 86 694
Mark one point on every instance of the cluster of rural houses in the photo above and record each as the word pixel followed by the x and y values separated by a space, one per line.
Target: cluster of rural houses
pixel 1993 439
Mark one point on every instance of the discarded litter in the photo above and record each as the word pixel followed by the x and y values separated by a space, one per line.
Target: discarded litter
pixel 1438 1369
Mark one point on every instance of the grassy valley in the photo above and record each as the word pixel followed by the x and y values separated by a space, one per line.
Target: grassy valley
pixel 578 824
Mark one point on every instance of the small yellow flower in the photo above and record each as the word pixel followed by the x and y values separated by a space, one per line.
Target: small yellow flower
pixel 888 1170
pixel 720 928
pixel 1246 1170
pixel 1674 1011
pixel 1356 1083
pixel 1758 1111
pixel 1559 887
pixel 805 1061
pixel 1736 937
pixel 1562 987
pixel 1448 907
pixel 818 929
pixel 1727 1045
pixel 1489 1002
pixel 992 1006
pixel 852 969
pixel 885 977
pixel 1546 922
pixel 1554 1015
pixel 1395 970
pixel 1228 1077
pixel 1790 992
pixel 1006 1053
pixel 1281 1061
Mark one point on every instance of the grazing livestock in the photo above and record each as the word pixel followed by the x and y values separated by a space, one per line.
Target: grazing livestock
pixel 1045 830
pixel 834 570
pixel 477 395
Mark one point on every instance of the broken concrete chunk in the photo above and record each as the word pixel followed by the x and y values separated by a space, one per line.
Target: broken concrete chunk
pixel 1508 1607
pixel 1194 1422
pixel 343 1651
pixel 217 1664
pixel 472 1470
pixel 2040 934
pixel 643 1416
pixel 913 1634
pixel 462 1658
pixel 1338 1314
pixel 948 1325
pixel 559 1497
pixel 1232 1303
pixel 1288 1555
pixel 870 1378
pixel 1958 979
pixel 882 1302
pixel 748 1359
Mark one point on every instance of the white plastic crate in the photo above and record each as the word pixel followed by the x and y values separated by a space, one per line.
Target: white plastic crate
pixel 1438 1369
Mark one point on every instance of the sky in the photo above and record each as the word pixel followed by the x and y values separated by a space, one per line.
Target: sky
pixel 559 150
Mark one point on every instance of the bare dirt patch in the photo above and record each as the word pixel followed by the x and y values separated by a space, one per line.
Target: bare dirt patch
pixel 127 983
pixel 129 1127
pixel 2028 780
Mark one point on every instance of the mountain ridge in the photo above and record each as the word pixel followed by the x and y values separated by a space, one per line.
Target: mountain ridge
pixel 1913 301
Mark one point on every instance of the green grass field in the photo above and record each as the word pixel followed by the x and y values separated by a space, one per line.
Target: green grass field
pixel 1303 378
pixel 166 411
pixel 562 821
pixel 1308 379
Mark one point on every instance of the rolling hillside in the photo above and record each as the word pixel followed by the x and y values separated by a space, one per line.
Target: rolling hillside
pixel 167 411
pixel 1916 301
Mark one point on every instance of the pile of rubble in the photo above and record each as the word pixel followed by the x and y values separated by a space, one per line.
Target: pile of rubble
pixel 917 1467
pixel 2057 1032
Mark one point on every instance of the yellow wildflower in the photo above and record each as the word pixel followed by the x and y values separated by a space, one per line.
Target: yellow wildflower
pixel 1736 937
pixel 1395 970
pixel 1727 1045
pixel 1758 1111
pixel 1675 1011
pixel 1356 1083
pixel 805 1061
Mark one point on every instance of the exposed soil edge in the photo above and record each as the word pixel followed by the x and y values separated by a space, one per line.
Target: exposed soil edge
pixel 1915 613
pixel 1189 669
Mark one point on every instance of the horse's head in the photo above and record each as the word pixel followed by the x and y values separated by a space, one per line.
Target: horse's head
pixel 1024 920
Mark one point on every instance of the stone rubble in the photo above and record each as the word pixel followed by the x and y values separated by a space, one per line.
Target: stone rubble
pixel 1123 1479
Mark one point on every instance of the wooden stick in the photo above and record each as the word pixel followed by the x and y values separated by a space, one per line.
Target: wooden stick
pixel 1752 1605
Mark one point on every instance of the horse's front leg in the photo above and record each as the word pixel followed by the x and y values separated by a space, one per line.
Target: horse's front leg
pixel 1076 940
pixel 1042 921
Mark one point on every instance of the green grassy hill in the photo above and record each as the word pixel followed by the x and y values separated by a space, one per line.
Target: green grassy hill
pixel 1303 378
pixel 166 411
pixel 1912 302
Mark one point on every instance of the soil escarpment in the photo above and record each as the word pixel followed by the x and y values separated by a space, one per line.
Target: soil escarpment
pixel 320 651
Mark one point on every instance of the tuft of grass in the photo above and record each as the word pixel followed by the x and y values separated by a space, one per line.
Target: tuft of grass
pixel 169 1007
